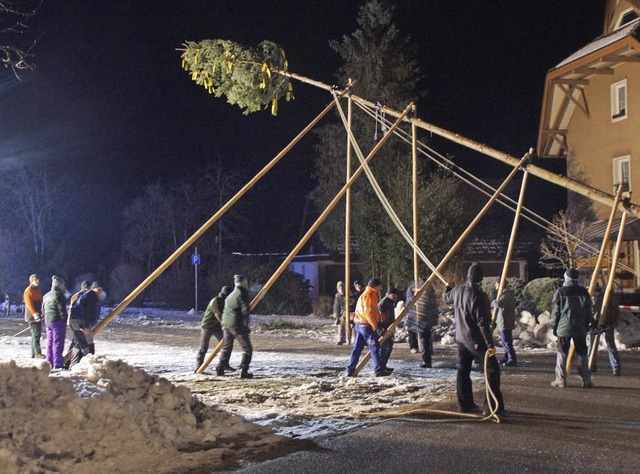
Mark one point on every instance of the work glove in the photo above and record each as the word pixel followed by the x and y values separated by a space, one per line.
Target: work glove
pixel 338 322
pixel 447 288
pixel 36 317
pixel 491 351
pixel 380 331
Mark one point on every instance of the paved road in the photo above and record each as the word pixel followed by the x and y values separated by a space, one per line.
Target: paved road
pixel 549 430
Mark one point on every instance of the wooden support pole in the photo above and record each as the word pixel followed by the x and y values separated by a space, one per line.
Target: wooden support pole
pixel 607 293
pixel 596 270
pixel 575 186
pixel 347 231
pixel 191 240
pixel 310 232
pixel 414 203
pixel 522 163
pixel 512 242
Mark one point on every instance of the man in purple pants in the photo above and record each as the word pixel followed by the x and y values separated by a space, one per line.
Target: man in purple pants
pixel 54 307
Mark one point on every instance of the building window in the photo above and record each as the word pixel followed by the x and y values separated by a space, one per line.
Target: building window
pixel 619 100
pixel 626 17
pixel 622 172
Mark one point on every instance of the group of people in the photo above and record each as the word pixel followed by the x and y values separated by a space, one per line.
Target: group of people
pixel 80 316
pixel 572 319
pixel 227 318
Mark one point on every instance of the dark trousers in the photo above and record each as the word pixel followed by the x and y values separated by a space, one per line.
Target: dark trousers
pixel 506 335
pixel 427 345
pixel 205 338
pixel 241 333
pixel 81 345
pixel 412 338
pixel 384 353
pixel 467 353
pixel 582 359
pixel 614 357
pixel 365 336
pixel 36 334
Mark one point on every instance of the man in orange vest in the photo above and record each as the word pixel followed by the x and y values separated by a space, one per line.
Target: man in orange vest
pixel 33 314
pixel 368 330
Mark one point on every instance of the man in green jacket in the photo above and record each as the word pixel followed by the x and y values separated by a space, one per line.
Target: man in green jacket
pixel 211 325
pixel 235 325
pixel 571 317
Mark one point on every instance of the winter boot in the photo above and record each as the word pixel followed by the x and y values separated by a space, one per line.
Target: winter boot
pixel 228 368
pixel 245 374
pixel 220 371
pixel 199 361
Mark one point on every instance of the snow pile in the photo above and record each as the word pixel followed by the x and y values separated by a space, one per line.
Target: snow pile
pixel 105 416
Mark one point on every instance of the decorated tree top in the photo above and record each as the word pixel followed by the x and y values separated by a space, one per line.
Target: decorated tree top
pixel 247 77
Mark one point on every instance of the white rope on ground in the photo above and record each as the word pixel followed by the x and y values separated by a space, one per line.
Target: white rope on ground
pixel 381 196
pixel 448 166
pixel 6 338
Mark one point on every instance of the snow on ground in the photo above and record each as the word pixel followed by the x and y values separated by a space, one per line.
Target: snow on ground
pixel 142 391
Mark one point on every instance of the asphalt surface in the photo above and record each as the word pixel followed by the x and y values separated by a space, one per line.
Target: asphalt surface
pixel 549 430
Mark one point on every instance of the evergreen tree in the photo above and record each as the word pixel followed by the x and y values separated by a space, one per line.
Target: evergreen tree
pixel 380 61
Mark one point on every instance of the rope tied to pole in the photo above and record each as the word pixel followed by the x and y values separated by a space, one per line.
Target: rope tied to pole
pixel 380 121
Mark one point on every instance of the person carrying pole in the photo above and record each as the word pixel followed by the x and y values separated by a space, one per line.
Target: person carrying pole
pixel 608 325
pixel 506 320
pixel 387 308
pixel 421 318
pixel 474 339
pixel 82 317
pixel 339 313
pixel 571 318
pixel 368 319
pixel 212 325
pixel 33 314
pixel 235 325
pixel 54 306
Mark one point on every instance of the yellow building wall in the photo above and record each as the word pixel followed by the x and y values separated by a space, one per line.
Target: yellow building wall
pixel 594 140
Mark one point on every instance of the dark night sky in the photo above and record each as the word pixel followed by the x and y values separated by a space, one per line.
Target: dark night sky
pixel 109 92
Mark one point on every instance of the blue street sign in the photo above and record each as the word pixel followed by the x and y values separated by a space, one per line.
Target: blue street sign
pixel 195 259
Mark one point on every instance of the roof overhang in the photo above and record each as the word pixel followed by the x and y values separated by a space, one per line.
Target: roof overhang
pixel 565 83
pixel 594 233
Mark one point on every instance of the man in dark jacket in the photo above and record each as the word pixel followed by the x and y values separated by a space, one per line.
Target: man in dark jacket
pixel 506 319
pixel 81 316
pixel 473 336
pixel 421 318
pixel 607 325
pixel 235 325
pixel 571 318
pixel 387 308
pixel 212 325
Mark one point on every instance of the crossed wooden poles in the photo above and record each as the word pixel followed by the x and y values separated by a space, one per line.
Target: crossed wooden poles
pixel 568 183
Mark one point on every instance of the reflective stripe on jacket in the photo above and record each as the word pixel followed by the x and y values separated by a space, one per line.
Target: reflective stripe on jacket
pixel 367 308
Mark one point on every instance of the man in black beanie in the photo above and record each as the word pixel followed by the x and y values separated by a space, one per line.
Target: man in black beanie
pixel 474 339
pixel 571 317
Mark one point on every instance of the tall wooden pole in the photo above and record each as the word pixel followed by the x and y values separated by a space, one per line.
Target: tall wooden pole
pixel 523 162
pixel 570 184
pixel 347 231
pixel 283 266
pixel 512 241
pixel 596 270
pixel 191 240
pixel 414 201
pixel 607 293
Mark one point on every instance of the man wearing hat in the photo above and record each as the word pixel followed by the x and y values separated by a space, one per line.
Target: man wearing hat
pixel 32 297
pixel 368 320
pixel 387 310
pixel 54 307
pixel 212 325
pixel 339 314
pixel 571 317
pixel 235 325
pixel 474 339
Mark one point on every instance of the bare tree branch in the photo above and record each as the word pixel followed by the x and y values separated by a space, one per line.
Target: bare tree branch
pixel 14 17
